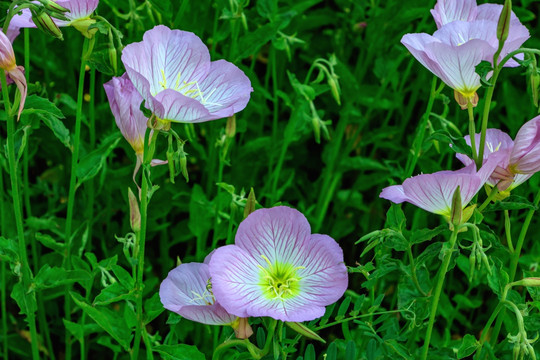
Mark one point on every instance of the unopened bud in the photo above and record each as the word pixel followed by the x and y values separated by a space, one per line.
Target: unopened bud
pixel 55 7
pixel 250 203
pixel 183 160
pixel 530 281
pixel 304 330
pixel 504 23
pixel 230 128
pixel 46 24
pixel 334 87
pixel 134 213
pixel 113 59
pixel 535 83
pixel 170 159
pixel 316 122
pixel 456 212
pixel 472 265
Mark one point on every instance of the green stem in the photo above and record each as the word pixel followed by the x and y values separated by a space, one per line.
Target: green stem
pixel 494 191
pixel 440 281
pixel 419 138
pixel 222 349
pixel 472 133
pixel 275 117
pixel 13 174
pixel 514 261
pixel 149 150
pixel 73 188
pixel 507 231
pixel 3 277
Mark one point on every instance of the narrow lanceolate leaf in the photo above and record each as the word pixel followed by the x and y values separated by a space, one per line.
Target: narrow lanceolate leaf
pixel 179 352
pixel 304 330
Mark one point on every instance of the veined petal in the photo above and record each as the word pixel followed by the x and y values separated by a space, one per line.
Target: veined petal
pixel 446 11
pixel 177 107
pixel 225 90
pixel 394 193
pixel 185 291
pixel 525 157
pixel 169 59
pixel 458 64
pixel 19 79
pixel 278 233
pixel 416 44
pixel 323 281
pixel 517 33
pixel 78 9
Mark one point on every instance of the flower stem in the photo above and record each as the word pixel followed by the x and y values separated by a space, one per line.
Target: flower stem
pixel 440 281
pixel 413 272
pixel 494 191
pixel 472 133
pixel 3 280
pixel 507 231
pixel 515 259
pixel 149 150
pixel 73 188
pixel 13 174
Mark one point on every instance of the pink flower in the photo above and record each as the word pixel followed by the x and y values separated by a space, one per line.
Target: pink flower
pixel 172 71
pixel 518 159
pixel 434 192
pixel 13 72
pixel 466 36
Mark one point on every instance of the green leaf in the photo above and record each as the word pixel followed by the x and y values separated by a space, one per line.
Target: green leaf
pixel 26 301
pixel 395 218
pixel 310 352
pixel 513 202
pixel 152 308
pixel 49 277
pixel 254 40
pixel 9 250
pixel 79 331
pixel 419 236
pixel 498 278
pixel 91 164
pixel 468 346
pixel 179 352
pixel 110 321
pixel 49 242
pixel 466 302
pixel 483 69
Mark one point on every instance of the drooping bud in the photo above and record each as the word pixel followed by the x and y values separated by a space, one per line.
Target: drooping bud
pixel 46 24
pixel 334 87
pixel 304 330
pixel 316 122
pixel 530 281
pixel 134 213
pixel 230 128
pixel 183 160
pixel 170 159
pixel 504 23
pixel 250 203
pixel 456 212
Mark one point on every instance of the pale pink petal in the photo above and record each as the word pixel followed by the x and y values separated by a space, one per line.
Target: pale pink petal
pixel 525 157
pixel 446 11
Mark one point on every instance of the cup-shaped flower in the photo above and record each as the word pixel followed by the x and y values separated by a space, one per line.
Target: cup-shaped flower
pixel 187 291
pixel 13 72
pixel 78 16
pixel 434 192
pixel 519 159
pixel 497 141
pixel 447 11
pixel 453 52
pixel 171 69
pixel 277 268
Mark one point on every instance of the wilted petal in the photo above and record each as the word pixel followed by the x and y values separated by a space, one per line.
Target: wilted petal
pixel 446 11
pixel 19 79
pixel 7 56
pixel 186 292
pixel 125 101
pixel 525 157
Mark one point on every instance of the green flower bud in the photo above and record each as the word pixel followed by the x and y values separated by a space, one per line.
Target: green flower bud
pixel 456 212
pixel 504 23
pixel 250 203
pixel 54 7
pixel 45 23
pixel 134 213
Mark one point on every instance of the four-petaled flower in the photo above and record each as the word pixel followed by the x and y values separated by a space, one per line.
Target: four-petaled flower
pixel 519 159
pixel 433 192
pixel 466 36
pixel 277 268
pixel 172 71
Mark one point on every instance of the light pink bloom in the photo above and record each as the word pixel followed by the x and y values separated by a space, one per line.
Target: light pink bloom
pixel 434 192
pixel 520 158
pixel 13 72
pixel 78 16
pixel 446 11
pixel 187 291
pixel 172 70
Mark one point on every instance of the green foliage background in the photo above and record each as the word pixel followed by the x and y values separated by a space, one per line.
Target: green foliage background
pixel 335 182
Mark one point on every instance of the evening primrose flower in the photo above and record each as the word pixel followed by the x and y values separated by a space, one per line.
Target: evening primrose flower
pixel 519 159
pixel 125 102
pixel 434 192
pixel 277 268
pixel 172 71
pixel 13 72
pixel 447 11
pixel 78 16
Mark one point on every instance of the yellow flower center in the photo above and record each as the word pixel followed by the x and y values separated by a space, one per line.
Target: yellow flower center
pixel 279 281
